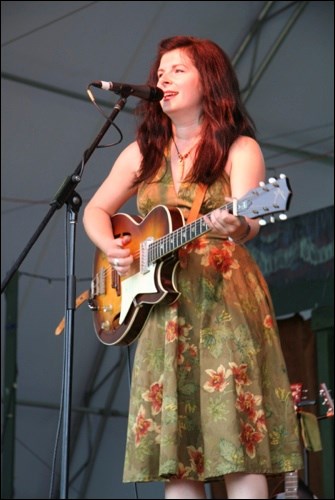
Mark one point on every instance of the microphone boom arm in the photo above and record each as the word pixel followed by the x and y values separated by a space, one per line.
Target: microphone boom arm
pixel 65 191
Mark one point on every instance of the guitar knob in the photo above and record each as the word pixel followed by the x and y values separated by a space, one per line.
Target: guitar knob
pixel 107 308
pixel 105 325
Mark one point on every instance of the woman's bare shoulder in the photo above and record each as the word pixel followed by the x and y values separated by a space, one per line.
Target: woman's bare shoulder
pixel 130 158
pixel 244 144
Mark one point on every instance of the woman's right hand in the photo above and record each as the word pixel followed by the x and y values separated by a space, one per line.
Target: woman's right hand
pixel 119 255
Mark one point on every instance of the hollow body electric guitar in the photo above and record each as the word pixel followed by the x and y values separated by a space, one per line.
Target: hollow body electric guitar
pixel 121 305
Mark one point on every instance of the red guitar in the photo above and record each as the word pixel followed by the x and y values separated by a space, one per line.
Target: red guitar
pixel 122 305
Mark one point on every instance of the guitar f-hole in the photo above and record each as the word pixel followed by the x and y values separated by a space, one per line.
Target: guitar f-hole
pixel 121 235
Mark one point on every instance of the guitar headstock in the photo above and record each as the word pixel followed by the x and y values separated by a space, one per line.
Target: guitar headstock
pixel 327 400
pixel 266 200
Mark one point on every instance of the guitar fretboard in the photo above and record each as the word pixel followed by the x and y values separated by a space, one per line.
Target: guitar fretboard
pixel 291 484
pixel 178 238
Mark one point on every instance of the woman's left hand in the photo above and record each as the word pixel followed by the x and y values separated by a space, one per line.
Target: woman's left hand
pixel 225 223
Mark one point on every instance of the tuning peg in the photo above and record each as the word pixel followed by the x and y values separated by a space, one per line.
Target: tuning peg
pixel 272 219
pixel 272 180
pixel 262 222
pixel 282 216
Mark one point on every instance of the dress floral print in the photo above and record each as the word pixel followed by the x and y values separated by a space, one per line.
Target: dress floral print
pixel 210 393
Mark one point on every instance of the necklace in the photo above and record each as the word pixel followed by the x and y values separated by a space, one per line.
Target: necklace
pixel 182 158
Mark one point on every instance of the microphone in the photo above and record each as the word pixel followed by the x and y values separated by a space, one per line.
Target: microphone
pixel 125 89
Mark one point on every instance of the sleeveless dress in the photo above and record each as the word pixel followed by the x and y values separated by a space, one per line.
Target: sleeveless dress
pixel 210 393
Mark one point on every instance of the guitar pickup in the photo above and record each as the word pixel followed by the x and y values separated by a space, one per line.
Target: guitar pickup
pixel 145 262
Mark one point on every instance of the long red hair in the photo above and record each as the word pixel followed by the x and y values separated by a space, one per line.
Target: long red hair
pixel 224 117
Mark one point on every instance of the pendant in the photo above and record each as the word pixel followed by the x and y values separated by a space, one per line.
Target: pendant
pixel 181 166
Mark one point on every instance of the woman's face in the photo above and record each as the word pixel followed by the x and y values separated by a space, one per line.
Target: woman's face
pixel 180 81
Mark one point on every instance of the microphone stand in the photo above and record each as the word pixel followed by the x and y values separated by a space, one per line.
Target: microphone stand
pixel 67 194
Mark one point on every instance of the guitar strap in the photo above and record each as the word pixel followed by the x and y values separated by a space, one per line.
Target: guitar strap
pixel 198 199
pixel 79 301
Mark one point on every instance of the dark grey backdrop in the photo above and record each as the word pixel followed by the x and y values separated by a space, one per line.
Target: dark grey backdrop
pixel 51 51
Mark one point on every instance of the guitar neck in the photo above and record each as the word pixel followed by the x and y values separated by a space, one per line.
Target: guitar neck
pixel 264 200
pixel 291 484
pixel 169 243
pixel 156 250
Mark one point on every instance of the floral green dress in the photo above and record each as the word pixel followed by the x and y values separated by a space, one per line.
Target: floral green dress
pixel 210 393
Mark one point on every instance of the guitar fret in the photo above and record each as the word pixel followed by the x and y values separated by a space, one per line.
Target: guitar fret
pixel 182 237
